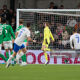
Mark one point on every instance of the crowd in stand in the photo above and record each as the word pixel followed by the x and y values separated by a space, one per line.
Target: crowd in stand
pixel 9 15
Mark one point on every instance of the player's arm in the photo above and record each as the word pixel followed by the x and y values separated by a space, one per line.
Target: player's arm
pixel 51 36
pixel 30 39
pixel 16 34
pixel 17 31
pixel 44 35
pixel 3 33
pixel 12 33
pixel 71 41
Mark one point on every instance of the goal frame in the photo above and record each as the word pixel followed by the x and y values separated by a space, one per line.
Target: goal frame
pixel 43 10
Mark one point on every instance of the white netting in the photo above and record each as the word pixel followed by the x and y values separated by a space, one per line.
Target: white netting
pixel 61 21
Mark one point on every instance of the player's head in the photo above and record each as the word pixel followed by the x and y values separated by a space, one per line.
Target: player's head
pixel 46 24
pixel 28 25
pixel 3 20
pixel 20 21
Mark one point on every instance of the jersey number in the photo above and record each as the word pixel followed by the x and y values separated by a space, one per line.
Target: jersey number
pixel 78 39
pixel 20 33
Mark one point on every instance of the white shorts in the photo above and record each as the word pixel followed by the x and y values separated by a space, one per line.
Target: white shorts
pixel 8 44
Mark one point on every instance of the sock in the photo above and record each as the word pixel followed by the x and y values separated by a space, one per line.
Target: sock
pixel 46 57
pixel 14 57
pixel 3 57
pixel 7 55
pixel 11 54
pixel 19 56
pixel 10 58
pixel 24 58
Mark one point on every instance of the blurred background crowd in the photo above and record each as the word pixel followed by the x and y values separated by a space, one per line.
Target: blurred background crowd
pixel 61 26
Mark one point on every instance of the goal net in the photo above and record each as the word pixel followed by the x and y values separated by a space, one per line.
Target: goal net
pixel 61 22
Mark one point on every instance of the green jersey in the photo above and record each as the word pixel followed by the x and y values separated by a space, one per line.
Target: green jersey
pixel 1 33
pixel 21 26
pixel 8 32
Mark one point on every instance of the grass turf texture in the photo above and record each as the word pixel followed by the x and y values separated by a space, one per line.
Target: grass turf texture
pixel 40 72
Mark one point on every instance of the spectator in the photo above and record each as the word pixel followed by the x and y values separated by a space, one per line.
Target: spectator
pixel 11 15
pixel 63 20
pixel 5 12
pixel 59 31
pixel 1 12
pixel 71 22
pixel 61 6
pixel 58 34
pixel 14 15
pixel 60 45
pixel 78 6
pixel 52 6
pixel 65 38
pixel 13 24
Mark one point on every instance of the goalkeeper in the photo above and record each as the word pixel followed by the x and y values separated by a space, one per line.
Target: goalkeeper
pixel 46 41
pixel 25 42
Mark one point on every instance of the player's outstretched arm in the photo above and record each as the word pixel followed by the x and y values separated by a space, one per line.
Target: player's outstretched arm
pixel 51 36
pixel 30 39
pixel 16 34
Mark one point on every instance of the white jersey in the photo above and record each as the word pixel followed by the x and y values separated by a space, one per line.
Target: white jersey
pixel 22 35
pixel 75 39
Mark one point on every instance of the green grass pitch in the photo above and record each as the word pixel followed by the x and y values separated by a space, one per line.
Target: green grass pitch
pixel 40 72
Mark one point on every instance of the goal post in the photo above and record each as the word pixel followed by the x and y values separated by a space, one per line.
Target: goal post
pixel 61 21
pixel 47 11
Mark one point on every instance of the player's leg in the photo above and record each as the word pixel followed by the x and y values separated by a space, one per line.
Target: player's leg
pixel 24 62
pixel 24 56
pixel 6 48
pixel 21 53
pixel 18 56
pixel 16 49
pixel 10 58
pixel 10 47
pixel 44 48
pixel 2 56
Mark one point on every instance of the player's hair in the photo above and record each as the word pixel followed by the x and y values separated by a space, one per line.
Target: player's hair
pixel 3 20
pixel 28 24
pixel 47 23
pixel 21 21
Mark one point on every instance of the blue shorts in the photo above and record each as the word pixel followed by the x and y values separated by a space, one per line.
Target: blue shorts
pixel 17 48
